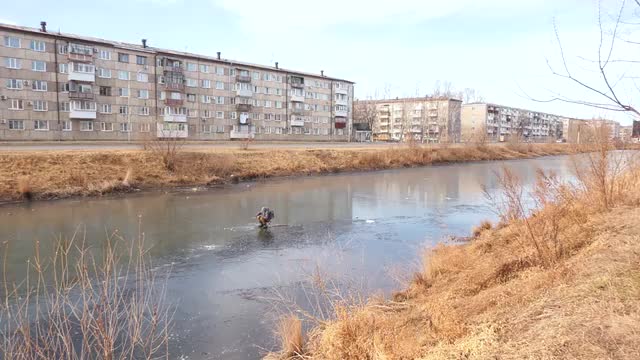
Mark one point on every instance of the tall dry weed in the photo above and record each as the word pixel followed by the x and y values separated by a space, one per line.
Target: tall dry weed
pixel 85 303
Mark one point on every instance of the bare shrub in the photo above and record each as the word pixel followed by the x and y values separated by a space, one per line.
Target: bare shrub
pixel 168 149
pixel 85 303
pixel 478 230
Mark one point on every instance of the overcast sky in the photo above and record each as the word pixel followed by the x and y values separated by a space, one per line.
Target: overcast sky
pixel 395 48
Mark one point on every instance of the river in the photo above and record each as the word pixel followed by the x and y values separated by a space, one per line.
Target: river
pixel 224 271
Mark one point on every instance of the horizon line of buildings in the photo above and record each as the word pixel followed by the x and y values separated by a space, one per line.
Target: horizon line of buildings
pixel 57 86
pixel 444 119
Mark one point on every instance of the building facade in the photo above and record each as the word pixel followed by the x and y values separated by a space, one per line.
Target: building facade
pixel 502 123
pixel 427 120
pixel 66 87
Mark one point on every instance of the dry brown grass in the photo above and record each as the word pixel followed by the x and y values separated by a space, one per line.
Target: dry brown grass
pixel 88 173
pixel 289 331
pixel 478 230
pixel 562 281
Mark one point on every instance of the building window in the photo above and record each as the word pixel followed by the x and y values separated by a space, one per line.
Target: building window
pixel 143 94
pixel 16 124
pixel 143 77
pixel 63 68
pixel 83 105
pixel 105 126
pixel 64 106
pixel 192 113
pixel 145 127
pixel 267 103
pixel 219 70
pixel 220 100
pixel 123 92
pixel 38 65
pixel 174 95
pixel 191 97
pixel 105 90
pixel 192 66
pixel 220 114
pixel 141 60
pixel 219 85
pixel 123 58
pixel 66 125
pixel 206 99
pixel 206 114
pixel 144 111
pixel 105 55
pixel 40 105
pixel 12 63
pixel 234 115
pixel 11 41
pixel 123 110
pixel 123 75
pixel 278 104
pixel 63 49
pixel 105 109
pixel 39 85
pixel 204 68
pixel 191 82
pixel 206 84
pixel 104 73
pixel 17 104
pixel 86 125
pixel 255 75
pixel 41 125
pixel 37 45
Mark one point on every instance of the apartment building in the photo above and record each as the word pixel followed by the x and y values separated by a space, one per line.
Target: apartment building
pixel 428 120
pixel 501 123
pixel 66 87
pixel 579 131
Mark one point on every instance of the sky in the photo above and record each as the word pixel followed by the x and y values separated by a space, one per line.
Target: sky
pixel 504 49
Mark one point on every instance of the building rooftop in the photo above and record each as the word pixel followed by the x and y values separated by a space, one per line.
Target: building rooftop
pixel 412 99
pixel 154 50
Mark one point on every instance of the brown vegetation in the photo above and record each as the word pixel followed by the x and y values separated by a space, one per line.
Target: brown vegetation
pixel 85 303
pixel 560 280
pixel 165 164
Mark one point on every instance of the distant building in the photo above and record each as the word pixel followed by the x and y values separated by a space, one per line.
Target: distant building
pixel 626 133
pixel 580 131
pixel 502 123
pixel 427 120
pixel 635 133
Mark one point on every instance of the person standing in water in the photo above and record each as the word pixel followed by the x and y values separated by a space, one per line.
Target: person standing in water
pixel 264 217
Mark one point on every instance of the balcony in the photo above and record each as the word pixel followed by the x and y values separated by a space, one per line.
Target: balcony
pixel 77 52
pixel 82 110
pixel 81 95
pixel 174 86
pixel 242 133
pixel 243 78
pixel 297 85
pixel 180 118
pixel 172 131
pixel 243 107
pixel 173 102
pixel 173 69
pixel 342 90
pixel 297 98
pixel 340 113
pixel 87 75
pixel 344 101
pixel 297 121
pixel 244 92
pixel 416 130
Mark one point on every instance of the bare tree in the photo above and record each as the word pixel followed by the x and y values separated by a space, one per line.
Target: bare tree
pixel 609 91
pixel 365 112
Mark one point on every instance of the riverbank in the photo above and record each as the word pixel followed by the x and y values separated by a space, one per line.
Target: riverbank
pixel 41 175
pixel 562 283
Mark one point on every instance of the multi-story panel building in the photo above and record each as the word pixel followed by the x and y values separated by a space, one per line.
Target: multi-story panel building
pixel 579 131
pixel 65 87
pixel 501 123
pixel 428 120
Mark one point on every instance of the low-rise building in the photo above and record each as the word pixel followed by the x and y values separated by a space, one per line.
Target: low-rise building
pixel 502 123
pixel 56 86
pixel 427 120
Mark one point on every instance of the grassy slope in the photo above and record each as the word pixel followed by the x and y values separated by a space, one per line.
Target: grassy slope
pixel 496 297
pixel 71 173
